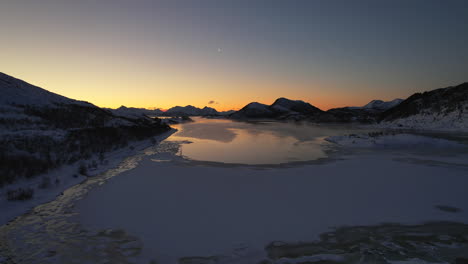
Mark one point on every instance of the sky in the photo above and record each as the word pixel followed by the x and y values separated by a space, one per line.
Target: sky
pixel 226 53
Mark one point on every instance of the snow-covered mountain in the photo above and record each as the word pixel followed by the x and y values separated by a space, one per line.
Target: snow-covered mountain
pixel 20 93
pixel 441 109
pixel 381 105
pixel 254 110
pixel 132 112
pixel 190 110
pixel 368 113
pixel 297 106
pixel 282 108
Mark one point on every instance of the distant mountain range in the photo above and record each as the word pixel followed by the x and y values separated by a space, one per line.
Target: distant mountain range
pixel 193 111
pixel 283 109
pixel 437 109
pixel 286 109
pixel 444 108
pixel 188 110
pixel 132 112
pixel 369 113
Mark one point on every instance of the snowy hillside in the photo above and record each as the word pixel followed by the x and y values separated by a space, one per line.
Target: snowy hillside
pixel 440 109
pixel 393 140
pixel 41 130
pixel 27 107
pixel 18 92
pixel 381 105
pixel 368 113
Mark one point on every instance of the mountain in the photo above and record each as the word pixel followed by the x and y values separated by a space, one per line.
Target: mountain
pixel 190 110
pixel 444 108
pixel 41 130
pixel 226 113
pixel 354 114
pixel 132 112
pixel 381 105
pixel 368 113
pixel 284 109
pixel 254 110
pixel 296 106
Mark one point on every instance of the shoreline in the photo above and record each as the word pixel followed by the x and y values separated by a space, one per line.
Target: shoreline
pixel 65 177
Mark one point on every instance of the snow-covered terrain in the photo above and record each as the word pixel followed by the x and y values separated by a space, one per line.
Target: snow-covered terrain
pixel 169 209
pixel 440 109
pixel 381 105
pixel 18 92
pixel 49 185
pixel 455 120
pixel 48 142
pixel 219 211
pixel 392 140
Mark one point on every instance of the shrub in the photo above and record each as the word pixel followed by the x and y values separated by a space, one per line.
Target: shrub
pixel 20 194
pixel 45 183
pixel 101 157
pixel 83 170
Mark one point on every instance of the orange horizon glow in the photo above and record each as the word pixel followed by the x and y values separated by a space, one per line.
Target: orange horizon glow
pixel 97 94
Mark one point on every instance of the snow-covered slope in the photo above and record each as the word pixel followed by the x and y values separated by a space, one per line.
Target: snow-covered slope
pixel 364 114
pixel 389 140
pixel 381 105
pixel 440 109
pixel 17 92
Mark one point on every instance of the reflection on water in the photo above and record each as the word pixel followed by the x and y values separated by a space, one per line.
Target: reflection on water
pixel 227 141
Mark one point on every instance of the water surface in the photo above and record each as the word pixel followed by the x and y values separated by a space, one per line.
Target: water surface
pixel 262 142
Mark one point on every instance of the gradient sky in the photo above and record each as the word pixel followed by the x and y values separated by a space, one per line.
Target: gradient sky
pixel 145 53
